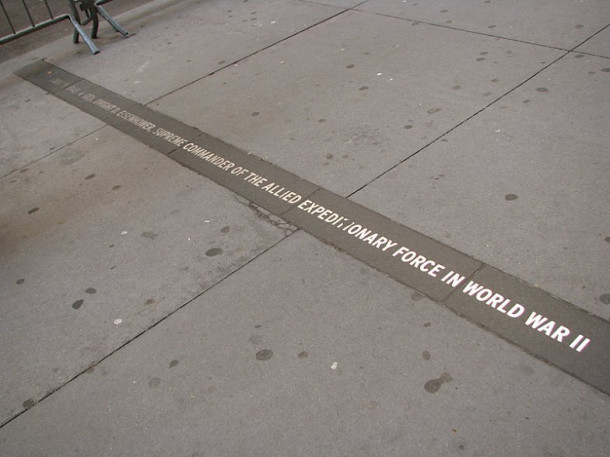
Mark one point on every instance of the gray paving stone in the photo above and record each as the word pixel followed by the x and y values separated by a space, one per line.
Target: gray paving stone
pixel 523 186
pixel 354 96
pixel 598 45
pixel 105 229
pixel 27 132
pixel 319 356
pixel 184 42
pixel 558 23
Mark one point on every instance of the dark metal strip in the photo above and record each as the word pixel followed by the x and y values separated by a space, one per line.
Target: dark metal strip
pixel 545 326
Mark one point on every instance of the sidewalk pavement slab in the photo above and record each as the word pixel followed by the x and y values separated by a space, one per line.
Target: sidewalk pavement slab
pixel 523 186
pixel 556 23
pixel 368 237
pixel 106 229
pixel 187 42
pixel 358 95
pixel 148 311
pixel 324 356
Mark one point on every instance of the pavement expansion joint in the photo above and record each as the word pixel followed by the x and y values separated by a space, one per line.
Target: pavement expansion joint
pixel 475 32
pixel 462 122
pixel 544 326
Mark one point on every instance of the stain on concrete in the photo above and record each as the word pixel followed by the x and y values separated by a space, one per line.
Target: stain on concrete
pixel 149 235
pixel 264 354
pixel 213 252
pixel 433 385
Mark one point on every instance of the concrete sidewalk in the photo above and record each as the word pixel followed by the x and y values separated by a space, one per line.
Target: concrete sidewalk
pixel 153 306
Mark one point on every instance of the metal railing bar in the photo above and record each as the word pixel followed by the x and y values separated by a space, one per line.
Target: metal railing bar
pixel 27 31
pixel 46 3
pixel 27 10
pixel 10 23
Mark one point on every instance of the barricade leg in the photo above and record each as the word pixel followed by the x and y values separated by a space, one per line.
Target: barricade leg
pixel 102 12
pixel 78 30
pixel 91 8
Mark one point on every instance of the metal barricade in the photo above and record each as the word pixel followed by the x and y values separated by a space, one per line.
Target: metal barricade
pixel 22 17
